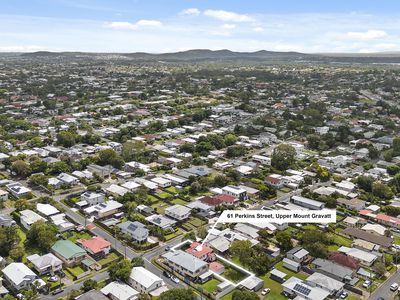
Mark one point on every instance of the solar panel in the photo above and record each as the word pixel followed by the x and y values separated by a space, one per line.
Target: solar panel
pixel 132 227
pixel 302 289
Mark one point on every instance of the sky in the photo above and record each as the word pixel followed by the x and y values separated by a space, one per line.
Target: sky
pixel 157 26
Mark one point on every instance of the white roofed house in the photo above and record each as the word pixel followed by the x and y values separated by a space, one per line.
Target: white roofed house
pixel 119 291
pixel 19 276
pixel 18 190
pixel 92 198
pixel 145 281
pixel 131 186
pixel 28 217
pixel 3 195
pixel 161 182
pixel 235 191
pixel 307 203
pixel 116 190
pixel 46 210
pixel 136 230
pixel 68 179
pixel 45 264
pixel 185 264
pixel 164 223
pixel 104 209
pixel 178 212
pixel 298 254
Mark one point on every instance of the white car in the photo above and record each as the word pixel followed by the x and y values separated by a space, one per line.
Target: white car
pixel 367 283
pixel 265 291
pixel 174 279
pixel 394 287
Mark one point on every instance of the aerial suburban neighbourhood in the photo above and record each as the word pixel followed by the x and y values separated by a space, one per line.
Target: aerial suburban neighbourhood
pixel 119 167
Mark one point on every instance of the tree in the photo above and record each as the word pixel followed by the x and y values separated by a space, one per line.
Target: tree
pixel 21 168
pixel 382 191
pixel 396 146
pixel 178 294
pixel 121 270
pixel 379 268
pixel 9 239
pixel 235 151
pixel 110 157
pixel 137 262
pixel 365 183
pixel 22 204
pixel 133 151
pixel 42 234
pixel 66 139
pixel 230 139
pixel 244 295
pixel 373 153
pixel 89 284
pixel 241 249
pixel 17 253
pixel 283 157
pixel 202 232
pixel 313 141
pixel 284 240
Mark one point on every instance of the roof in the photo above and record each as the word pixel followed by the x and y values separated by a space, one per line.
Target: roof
pixel 136 228
pixel 30 216
pixel 308 201
pixel 193 250
pixel 325 281
pixel 344 260
pixel 252 282
pixel 18 272
pixel 119 290
pixel 379 229
pixel 370 237
pixel 185 260
pixel 67 249
pixel 144 277
pixel 96 244
pixel 178 209
pixel 92 295
pixel 358 254
pixel 44 260
pixel 47 209
pixel 291 262
pixel 330 267
pixel 301 288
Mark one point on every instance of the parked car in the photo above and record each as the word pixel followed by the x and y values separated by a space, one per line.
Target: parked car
pixel 394 287
pixel 53 278
pixel 265 291
pixel 167 274
pixel 167 248
pixel 367 284
pixel 57 291
pixel 343 295
pixel 174 279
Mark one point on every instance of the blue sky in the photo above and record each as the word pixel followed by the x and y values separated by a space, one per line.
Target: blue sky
pixel 172 25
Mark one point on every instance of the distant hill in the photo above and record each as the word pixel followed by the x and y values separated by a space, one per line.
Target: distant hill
pixel 205 55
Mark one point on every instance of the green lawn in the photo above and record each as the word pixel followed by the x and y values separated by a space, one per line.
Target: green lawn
pixel 73 236
pixel 151 199
pixel 179 201
pixel 281 268
pixel 210 286
pixel 233 274
pixel 309 227
pixel 276 288
pixel 76 271
pixel 160 207
pixel 172 190
pixel 396 239
pixel 163 195
pixel 340 240
pixel 173 235
pixel 108 259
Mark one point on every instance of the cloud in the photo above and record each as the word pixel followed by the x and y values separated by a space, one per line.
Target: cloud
pixel 258 29
pixel 190 11
pixel 133 26
pixel 228 26
pixel 367 35
pixel 228 16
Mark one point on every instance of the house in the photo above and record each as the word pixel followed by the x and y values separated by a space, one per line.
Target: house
pixel 296 287
pixel 3 195
pixel 185 264
pixel 291 265
pixel 178 212
pixel 19 276
pixel 18 190
pixel 333 286
pixel 131 186
pixel 307 203
pixel 92 295
pixel 29 217
pixel 104 209
pixel 132 166
pixel 374 229
pixel 354 203
pixel 6 221
pixel 264 160
pixel 364 257
pixel 218 200
pixel 333 270
pixel 161 221
pixel 356 233
pixel 136 230
pixel 276 180
pixel 298 254
pixel 45 264
pixel 144 281
pixel 203 252
pixel 97 247
pixel 161 182
pixel 70 253
pixel 100 171
pixel 46 210
pixel 252 283
pixel 277 275
pixel 119 291
pixel 344 260
pixel 116 190
pixel 235 191
pixel 92 198
pixel 68 179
